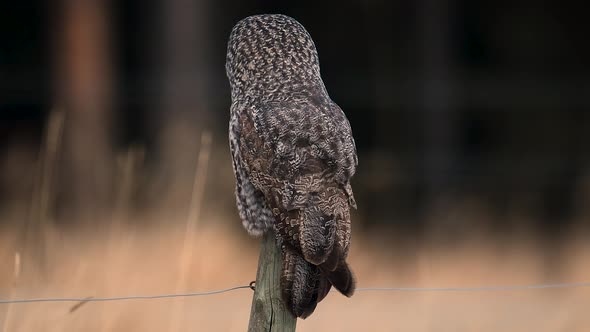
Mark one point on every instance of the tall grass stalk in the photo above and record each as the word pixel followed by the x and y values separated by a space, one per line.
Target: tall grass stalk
pixel 186 254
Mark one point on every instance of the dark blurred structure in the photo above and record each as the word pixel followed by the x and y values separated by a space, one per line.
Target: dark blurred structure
pixel 447 99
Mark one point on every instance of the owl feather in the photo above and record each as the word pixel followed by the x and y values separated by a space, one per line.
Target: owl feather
pixel 293 156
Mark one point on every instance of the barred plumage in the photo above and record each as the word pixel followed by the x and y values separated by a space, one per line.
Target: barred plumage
pixel 293 156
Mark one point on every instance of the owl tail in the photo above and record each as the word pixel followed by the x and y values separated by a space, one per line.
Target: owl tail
pixel 299 284
pixel 313 251
pixel 342 279
pixel 338 273
pixel 304 285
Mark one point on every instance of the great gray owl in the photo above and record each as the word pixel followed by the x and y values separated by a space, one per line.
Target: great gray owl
pixel 293 156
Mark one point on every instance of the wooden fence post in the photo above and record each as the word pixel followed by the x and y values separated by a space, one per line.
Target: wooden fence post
pixel 269 312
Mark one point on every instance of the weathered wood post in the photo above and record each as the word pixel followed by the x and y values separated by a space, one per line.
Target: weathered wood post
pixel 269 312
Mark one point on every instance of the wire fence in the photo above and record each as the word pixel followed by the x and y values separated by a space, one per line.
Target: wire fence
pixel 251 286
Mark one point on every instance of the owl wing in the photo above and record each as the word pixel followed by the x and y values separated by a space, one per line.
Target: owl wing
pixel 254 212
pixel 301 158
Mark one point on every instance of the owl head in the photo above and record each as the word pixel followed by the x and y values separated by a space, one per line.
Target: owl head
pixel 269 54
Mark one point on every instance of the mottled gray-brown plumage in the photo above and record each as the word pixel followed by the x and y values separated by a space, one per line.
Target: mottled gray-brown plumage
pixel 293 156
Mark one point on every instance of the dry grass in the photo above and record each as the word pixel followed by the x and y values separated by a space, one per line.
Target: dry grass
pixel 149 261
pixel 175 254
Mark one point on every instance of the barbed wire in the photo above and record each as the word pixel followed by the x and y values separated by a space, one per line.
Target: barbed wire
pixel 122 298
pixel 477 289
pixel 251 286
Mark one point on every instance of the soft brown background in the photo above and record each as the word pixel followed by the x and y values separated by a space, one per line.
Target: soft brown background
pixel 471 121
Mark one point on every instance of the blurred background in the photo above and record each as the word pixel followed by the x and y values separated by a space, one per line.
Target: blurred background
pixel 471 121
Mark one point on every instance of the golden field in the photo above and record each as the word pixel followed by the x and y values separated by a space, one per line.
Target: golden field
pixel 163 258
